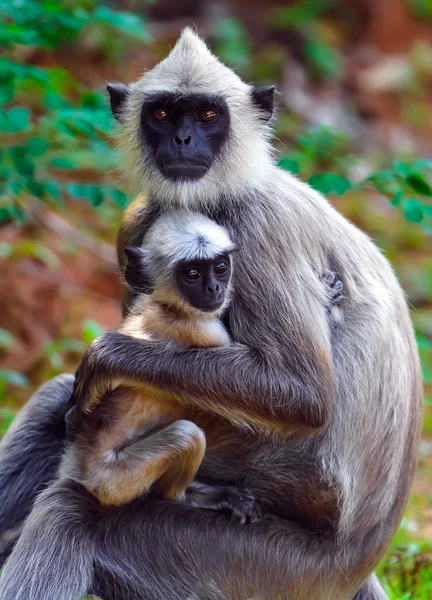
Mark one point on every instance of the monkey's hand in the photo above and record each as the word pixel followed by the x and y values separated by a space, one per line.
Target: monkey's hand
pixel 239 504
pixel 93 379
pixel 334 287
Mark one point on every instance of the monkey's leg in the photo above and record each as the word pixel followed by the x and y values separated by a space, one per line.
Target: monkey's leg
pixel 53 558
pixel 30 454
pixel 152 549
pixel 167 460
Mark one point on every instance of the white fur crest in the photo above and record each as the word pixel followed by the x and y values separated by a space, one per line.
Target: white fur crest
pixel 186 235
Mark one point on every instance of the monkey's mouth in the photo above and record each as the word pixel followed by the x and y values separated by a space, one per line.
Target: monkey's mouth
pixel 184 170
pixel 209 307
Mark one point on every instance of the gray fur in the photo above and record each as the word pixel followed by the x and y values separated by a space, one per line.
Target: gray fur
pixel 38 431
pixel 64 569
pixel 330 409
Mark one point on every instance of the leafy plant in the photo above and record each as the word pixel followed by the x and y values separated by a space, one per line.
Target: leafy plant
pixel 421 8
pixel 406 183
pixel 49 123
pixel 323 60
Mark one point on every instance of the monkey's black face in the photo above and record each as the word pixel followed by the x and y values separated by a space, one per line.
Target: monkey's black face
pixel 204 283
pixel 185 133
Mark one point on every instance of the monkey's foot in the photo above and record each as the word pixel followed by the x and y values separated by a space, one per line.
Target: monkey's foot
pixel 239 504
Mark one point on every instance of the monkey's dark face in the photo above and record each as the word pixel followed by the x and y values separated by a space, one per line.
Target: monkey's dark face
pixel 185 133
pixel 204 283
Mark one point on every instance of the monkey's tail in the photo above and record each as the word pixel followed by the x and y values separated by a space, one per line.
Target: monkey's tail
pixel 53 558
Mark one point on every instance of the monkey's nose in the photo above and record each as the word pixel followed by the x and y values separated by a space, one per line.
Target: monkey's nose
pixel 213 289
pixel 183 140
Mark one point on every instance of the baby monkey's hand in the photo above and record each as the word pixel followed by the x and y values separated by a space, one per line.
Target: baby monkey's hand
pixel 236 503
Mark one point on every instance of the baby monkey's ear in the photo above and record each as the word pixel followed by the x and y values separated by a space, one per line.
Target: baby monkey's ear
pixel 136 273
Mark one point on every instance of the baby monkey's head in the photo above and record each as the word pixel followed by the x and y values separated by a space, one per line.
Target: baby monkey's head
pixel 185 262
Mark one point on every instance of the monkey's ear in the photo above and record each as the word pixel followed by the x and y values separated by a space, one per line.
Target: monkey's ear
pixel 118 93
pixel 136 271
pixel 263 98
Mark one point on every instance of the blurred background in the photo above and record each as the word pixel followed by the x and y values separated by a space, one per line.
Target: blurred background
pixel 355 82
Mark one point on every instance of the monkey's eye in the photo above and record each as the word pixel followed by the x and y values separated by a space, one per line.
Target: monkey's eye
pixel 221 267
pixel 192 274
pixel 208 115
pixel 160 114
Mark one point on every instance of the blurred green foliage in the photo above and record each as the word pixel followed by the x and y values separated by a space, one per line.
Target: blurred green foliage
pixel 49 123
pixel 421 8
pixel 324 61
pixel 406 183
pixel 53 353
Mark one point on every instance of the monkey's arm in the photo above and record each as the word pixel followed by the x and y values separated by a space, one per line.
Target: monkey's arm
pixel 236 382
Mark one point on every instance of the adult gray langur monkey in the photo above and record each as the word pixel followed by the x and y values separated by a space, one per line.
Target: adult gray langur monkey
pixel 318 417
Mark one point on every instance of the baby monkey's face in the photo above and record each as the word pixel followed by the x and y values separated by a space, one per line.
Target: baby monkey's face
pixel 204 283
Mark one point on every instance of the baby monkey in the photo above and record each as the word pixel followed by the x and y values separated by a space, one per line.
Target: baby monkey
pixel 137 438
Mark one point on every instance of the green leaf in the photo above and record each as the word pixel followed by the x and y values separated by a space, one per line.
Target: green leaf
pixel 413 210
pixel 35 188
pixel 37 146
pixel 128 23
pixel 6 418
pixel 385 182
pixel 54 101
pixel 119 197
pixel 95 195
pixel 70 345
pixel 421 164
pixel 289 164
pixel 13 378
pixel 91 330
pixel 37 251
pixel 19 118
pixel 328 182
pixel 62 163
pixel 419 184
pixel 6 339
pixel 7 91
pixel 422 8
pixel 299 14
pixel 77 190
pixel 54 190
pixel 325 60
pixel 402 168
pixel 24 166
pixel 397 198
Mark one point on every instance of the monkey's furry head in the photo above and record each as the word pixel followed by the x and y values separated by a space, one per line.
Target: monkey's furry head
pixel 176 238
pixel 185 236
pixel 192 69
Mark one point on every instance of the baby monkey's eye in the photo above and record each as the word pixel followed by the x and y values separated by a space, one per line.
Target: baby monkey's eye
pixel 192 274
pixel 208 115
pixel 221 267
pixel 160 114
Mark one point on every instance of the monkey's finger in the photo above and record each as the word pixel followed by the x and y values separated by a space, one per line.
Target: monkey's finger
pixel 338 298
pixel 337 286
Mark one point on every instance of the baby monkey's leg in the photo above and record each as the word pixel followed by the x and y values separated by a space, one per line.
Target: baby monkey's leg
pixel 167 460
